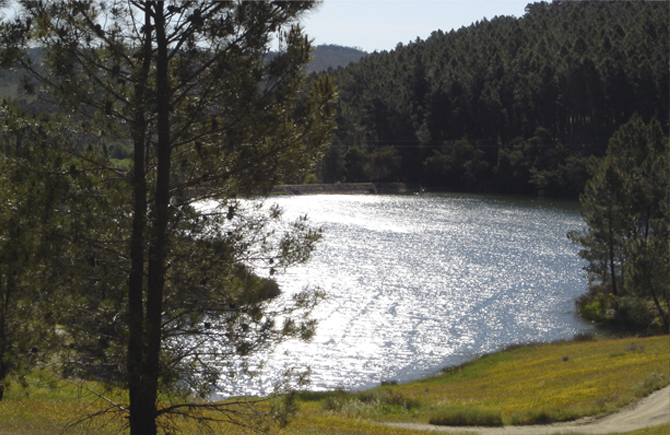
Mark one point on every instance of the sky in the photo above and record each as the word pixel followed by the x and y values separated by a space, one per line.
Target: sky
pixel 381 24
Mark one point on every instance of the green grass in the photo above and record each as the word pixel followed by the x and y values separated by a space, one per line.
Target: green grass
pixel 46 405
pixel 527 384
pixel 554 382
pixel 522 385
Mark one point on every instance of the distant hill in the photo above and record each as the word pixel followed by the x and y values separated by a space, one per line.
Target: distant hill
pixel 333 56
pixel 324 56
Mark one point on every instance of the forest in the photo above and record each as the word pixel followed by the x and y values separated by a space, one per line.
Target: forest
pixel 512 105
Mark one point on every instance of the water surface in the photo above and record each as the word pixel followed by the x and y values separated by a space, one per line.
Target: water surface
pixel 416 283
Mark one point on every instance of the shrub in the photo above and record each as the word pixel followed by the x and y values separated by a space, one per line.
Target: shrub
pixel 335 402
pixel 542 416
pixel 388 398
pixel 372 402
pixel 651 384
pixel 636 314
pixel 466 416
pixel 584 336
pixel 595 307
pixel 310 179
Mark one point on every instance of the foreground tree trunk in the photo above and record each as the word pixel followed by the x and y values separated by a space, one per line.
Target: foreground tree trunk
pixel 143 396
pixel 144 356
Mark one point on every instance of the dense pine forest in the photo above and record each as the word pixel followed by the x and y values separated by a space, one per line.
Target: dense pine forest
pixel 510 105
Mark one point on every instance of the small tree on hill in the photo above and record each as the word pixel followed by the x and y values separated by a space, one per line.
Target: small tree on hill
pixel 159 292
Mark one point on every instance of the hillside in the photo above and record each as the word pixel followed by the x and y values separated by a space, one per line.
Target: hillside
pixel 324 56
pixel 472 109
pixel 333 56
pixel 533 384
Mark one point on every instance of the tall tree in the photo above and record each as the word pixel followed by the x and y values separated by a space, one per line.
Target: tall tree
pixel 625 206
pixel 189 87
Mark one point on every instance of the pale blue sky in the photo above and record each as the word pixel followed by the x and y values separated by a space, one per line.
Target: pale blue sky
pixel 381 24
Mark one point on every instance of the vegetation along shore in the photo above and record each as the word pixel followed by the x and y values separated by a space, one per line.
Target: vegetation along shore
pixel 521 385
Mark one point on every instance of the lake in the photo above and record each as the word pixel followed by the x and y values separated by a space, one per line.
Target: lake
pixel 417 283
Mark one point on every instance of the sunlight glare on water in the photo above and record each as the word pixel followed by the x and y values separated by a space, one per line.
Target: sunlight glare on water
pixel 416 283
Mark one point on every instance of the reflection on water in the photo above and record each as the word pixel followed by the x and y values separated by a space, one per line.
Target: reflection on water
pixel 417 283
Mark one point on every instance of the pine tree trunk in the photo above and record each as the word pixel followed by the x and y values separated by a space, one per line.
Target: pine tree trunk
pixel 143 411
pixel 142 376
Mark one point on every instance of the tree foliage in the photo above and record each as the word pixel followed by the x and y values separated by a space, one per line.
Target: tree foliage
pixel 163 273
pixel 455 167
pixel 625 206
pixel 28 190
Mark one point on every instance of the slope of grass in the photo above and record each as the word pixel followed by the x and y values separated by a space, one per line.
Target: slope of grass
pixel 528 384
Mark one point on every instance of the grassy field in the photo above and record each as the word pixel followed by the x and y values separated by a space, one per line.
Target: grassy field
pixel 522 385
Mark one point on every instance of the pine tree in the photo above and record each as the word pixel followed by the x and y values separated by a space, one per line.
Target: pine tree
pixel 625 206
pixel 172 287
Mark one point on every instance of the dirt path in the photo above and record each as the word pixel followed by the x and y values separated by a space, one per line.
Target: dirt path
pixel 651 411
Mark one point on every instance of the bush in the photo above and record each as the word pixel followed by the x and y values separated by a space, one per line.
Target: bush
pixel 636 314
pixel 371 402
pixel 651 384
pixel 595 306
pixel 543 416
pixel 334 403
pixel 584 336
pixel 310 179
pixel 466 416
pixel 119 151
pixel 626 313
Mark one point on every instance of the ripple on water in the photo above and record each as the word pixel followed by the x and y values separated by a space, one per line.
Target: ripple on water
pixel 417 283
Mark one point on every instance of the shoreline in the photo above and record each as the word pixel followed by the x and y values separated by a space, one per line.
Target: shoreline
pixel 348 188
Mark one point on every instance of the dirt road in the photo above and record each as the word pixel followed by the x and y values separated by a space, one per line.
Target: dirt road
pixel 651 411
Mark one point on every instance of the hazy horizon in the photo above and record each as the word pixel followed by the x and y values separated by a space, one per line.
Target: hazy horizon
pixel 377 25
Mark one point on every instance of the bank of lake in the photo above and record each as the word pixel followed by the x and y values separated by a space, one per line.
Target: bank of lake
pixel 555 381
